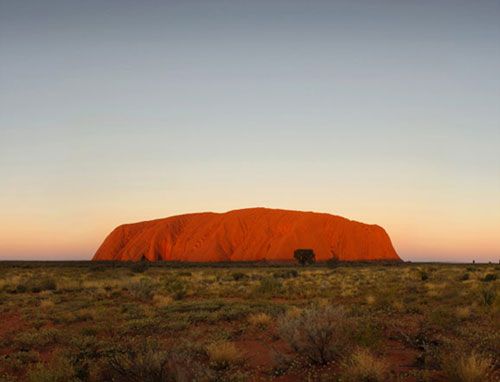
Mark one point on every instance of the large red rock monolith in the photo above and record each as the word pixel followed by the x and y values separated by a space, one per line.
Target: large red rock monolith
pixel 247 235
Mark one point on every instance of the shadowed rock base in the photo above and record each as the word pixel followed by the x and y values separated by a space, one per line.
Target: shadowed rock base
pixel 247 235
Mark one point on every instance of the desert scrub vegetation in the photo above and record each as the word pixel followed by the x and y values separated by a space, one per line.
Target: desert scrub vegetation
pixel 229 322
pixel 363 366
pixel 36 285
pixel 472 367
pixel 142 289
pixel 59 369
pixel 143 361
pixel 223 354
pixel 320 334
pixel 260 320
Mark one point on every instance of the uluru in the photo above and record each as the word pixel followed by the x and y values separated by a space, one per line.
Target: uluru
pixel 251 234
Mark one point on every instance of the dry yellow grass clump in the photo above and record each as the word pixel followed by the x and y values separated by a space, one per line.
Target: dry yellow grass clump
pixel 161 300
pixel 223 354
pixel 468 368
pixel 47 304
pixel 364 366
pixel 260 320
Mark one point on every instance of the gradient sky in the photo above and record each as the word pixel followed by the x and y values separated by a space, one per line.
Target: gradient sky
pixel 385 112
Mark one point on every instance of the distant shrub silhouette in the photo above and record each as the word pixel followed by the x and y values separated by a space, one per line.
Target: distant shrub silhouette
pixel 304 256
pixel 333 262
pixel 139 266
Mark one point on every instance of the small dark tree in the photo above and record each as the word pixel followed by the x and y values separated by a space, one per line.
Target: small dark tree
pixel 140 266
pixel 304 256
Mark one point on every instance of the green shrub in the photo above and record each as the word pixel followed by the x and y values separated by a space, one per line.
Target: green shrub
pixel 424 276
pixel 286 274
pixel 36 285
pixel 139 362
pixel 177 289
pixel 47 283
pixel 142 289
pixel 490 277
pixel 33 338
pixel 333 262
pixel 468 368
pixel 368 333
pixel 269 286
pixel 21 288
pixel 139 267
pixel 58 370
pixel 142 326
pixel 304 256
pixel 465 277
pixel 17 361
pixel 237 276
pixel 488 296
pixel 320 334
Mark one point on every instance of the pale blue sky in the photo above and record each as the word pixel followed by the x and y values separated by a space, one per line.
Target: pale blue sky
pixel 386 112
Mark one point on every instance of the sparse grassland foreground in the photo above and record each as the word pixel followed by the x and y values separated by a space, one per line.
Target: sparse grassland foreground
pixel 91 322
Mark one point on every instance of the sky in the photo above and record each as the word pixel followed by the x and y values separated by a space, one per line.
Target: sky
pixel 385 112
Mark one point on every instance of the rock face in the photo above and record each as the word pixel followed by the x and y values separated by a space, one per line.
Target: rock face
pixel 247 235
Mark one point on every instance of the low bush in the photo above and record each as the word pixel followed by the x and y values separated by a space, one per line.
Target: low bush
pixel 177 289
pixel 161 300
pixel 363 366
pixel 36 285
pixel 468 368
pixel 58 370
pixel 488 296
pixel 269 286
pixel 33 338
pixel 223 354
pixel 142 289
pixel 21 288
pixel 286 274
pixel 368 333
pixel 260 320
pixel 490 277
pixel 464 277
pixel 139 362
pixel 237 276
pixel 304 256
pixel 320 334
pixel 139 267
pixel 17 361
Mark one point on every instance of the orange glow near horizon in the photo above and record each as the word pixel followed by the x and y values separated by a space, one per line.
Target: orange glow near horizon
pixel 79 238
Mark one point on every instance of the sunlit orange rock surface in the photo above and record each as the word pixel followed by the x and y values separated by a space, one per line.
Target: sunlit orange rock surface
pixel 247 235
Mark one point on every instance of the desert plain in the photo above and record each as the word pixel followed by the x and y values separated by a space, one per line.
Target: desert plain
pixel 120 321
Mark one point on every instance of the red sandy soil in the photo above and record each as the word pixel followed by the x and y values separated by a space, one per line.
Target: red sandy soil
pixel 251 234
pixel 11 323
